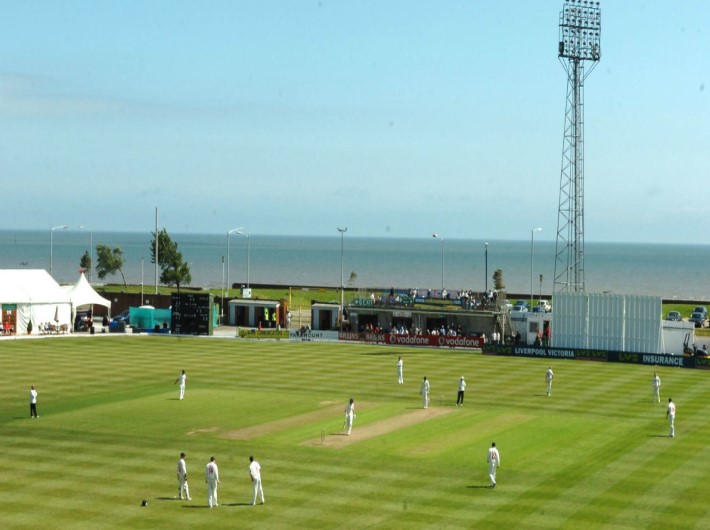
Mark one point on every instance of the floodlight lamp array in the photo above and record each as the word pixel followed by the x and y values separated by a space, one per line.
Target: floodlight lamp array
pixel 580 30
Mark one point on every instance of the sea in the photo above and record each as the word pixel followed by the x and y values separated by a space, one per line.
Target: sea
pixel 671 271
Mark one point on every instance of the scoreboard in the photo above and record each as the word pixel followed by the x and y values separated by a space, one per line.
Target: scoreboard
pixel 192 314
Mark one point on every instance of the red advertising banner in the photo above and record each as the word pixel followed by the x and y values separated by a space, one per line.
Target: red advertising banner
pixel 439 341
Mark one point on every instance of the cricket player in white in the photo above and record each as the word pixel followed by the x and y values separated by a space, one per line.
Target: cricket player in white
pixel 182 378
pixel 400 371
pixel 424 392
pixel 349 415
pixel 462 389
pixel 493 463
pixel 548 379
pixel 670 415
pixel 182 478
pixel 255 473
pixel 212 479
pixel 656 382
pixel 33 402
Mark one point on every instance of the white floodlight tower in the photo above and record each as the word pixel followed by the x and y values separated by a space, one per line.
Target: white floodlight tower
pixel 580 34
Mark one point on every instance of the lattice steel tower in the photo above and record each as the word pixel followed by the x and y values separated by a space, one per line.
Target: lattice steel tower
pixel 580 32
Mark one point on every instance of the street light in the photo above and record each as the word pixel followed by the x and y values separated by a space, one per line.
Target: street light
pixel 486 267
pixel 342 283
pixel 532 254
pixel 51 244
pixel 91 251
pixel 229 234
pixel 241 232
pixel 437 236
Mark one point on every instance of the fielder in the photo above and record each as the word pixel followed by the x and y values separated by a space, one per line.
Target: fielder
pixel 33 402
pixel 182 378
pixel 255 474
pixel 400 371
pixel 212 480
pixel 493 463
pixel 656 382
pixel 349 415
pixel 548 379
pixel 424 392
pixel 670 415
pixel 182 478
pixel 462 389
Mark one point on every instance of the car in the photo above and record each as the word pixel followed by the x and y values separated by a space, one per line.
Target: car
pixel 521 305
pixel 538 309
pixel 701 309
pixel 698 318
pixel 123 316
pixel 544 305
pixel 674 316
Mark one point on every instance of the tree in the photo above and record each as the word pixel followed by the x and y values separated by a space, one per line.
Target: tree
pixel 353 277
pixel 85 262
pixel 498 279
pixel 174 270
pixel 109 261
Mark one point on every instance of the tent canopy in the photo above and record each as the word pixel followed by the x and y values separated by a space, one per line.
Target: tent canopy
pixel 30 286
pixel 82 294
pixel 33 296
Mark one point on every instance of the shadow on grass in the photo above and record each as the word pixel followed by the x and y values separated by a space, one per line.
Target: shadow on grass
pixel 199 507
pixel 659 436
pixel 237 504
pixel 486 487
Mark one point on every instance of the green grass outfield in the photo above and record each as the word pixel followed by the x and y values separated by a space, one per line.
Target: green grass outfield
pixel 594 455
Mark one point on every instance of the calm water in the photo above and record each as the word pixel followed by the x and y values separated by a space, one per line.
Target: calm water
pixel 667 270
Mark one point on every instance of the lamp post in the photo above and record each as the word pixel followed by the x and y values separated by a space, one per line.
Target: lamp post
pixel 342 283
pixel 222 302
pixel 91 250
pixel 486 267
pixel 51 244
pixel 532 254
pixel 241 232
pixel 437 236
pixel 229 233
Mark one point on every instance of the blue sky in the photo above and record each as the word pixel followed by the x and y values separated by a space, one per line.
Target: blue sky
pixel 393 118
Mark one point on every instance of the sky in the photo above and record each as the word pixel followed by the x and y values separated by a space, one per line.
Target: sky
pixel 394 118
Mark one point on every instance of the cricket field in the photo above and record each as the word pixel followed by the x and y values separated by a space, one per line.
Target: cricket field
pixel 596 454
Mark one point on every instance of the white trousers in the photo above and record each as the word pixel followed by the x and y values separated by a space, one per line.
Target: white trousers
pixel 256 484
pixel 182 391
pixel 425 399
pixel 492 472
pixel 212 494
pixel 182 486
pixel 671 421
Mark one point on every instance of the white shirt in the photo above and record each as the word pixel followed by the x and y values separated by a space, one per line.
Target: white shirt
pixel 671 409
pixel 33 396
pixel 350 409
pixel 493 456
pixel 212 473
pixel 549 375
pixel 462 385
pixel 182 379
pixel 425 387
pixel 181 467
pixel 255 470
pixel 656 382
pixel 400 364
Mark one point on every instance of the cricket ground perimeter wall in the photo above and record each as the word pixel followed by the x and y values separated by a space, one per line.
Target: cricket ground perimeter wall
pixel 651 359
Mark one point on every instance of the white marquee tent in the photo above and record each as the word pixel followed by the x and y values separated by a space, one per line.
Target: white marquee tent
pixel 33 295
pixel 83 295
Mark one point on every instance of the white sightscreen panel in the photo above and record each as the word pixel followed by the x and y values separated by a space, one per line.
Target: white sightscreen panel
pixel 606 322
pixel 643 324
